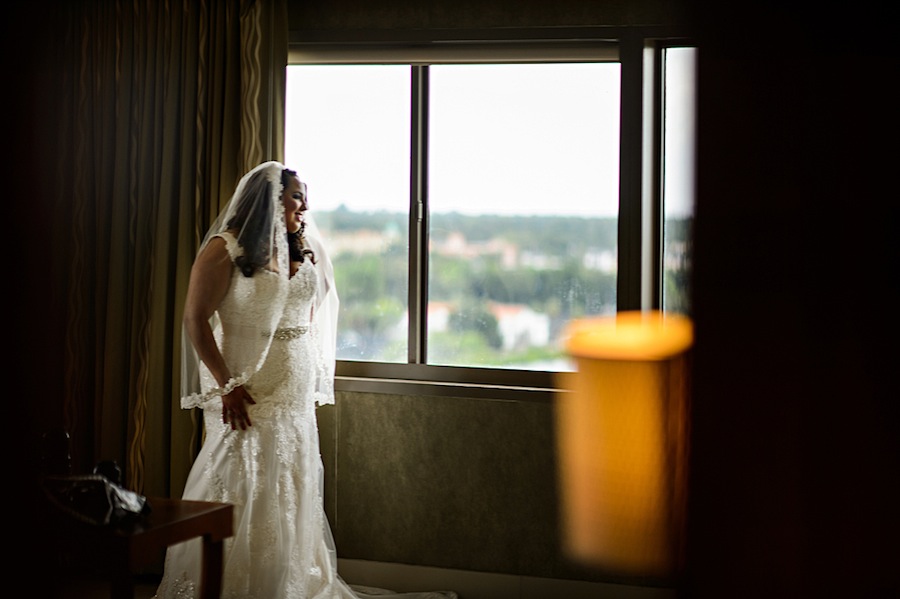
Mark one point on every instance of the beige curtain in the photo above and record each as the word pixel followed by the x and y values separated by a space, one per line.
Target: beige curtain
pixel 160 107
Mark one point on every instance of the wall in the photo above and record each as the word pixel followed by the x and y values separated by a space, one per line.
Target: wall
pixel 440 481
pixel 398 15
pixel 796 423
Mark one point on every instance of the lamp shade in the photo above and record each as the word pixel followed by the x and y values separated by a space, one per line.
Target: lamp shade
pixel 622 434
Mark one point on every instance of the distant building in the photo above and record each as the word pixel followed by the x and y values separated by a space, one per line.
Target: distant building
pixel 520 326
pixel 456 245
pixel 359 242
pixel 438 316
pixel 604 261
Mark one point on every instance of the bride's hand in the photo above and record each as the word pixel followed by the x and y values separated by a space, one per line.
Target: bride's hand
pixel 234 408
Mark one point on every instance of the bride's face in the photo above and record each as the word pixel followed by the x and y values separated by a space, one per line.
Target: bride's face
pixel 294 200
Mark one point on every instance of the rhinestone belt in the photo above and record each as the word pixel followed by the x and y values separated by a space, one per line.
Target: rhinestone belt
pixel 288 333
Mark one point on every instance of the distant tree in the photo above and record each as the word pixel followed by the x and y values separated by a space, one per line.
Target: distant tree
pixel 370 302
pixel 449 278
pixel 460 348
pixel 474 316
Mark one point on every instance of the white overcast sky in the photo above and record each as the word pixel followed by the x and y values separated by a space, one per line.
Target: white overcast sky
pixel 511 139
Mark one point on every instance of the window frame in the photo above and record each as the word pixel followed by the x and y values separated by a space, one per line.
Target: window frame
pixel 639 51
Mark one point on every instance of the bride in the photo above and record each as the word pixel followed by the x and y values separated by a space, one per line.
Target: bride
pixel 259 330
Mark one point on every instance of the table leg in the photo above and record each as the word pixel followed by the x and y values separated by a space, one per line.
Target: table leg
pixel 211 574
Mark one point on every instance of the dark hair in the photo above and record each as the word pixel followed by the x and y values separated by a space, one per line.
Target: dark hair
pixel 297 250
pixel 286 176
pixel 254 221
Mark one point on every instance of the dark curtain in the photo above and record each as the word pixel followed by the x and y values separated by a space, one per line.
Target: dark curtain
pixel 148 112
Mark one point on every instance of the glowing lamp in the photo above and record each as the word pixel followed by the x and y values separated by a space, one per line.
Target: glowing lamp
pixel 622 439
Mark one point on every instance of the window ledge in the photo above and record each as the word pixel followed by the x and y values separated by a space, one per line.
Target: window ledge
pixel 447 381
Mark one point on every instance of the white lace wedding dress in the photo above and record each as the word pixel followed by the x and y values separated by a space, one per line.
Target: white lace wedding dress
pixel 272 472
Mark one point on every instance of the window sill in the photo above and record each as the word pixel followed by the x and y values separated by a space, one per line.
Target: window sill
pixel 448 381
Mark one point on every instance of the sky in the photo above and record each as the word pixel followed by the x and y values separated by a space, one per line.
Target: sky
pixel 504 139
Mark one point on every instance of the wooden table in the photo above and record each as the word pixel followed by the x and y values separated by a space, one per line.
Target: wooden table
pixel 121 552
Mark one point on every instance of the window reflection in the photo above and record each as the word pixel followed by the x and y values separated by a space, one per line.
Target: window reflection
pixel 678 180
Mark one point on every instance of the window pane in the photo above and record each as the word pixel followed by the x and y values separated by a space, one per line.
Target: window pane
pixel 347 134
pixel 523 195
pixel 678 180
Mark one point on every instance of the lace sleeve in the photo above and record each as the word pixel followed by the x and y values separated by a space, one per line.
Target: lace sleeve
pixel 323 389
pixel 199 400
pixel 231 245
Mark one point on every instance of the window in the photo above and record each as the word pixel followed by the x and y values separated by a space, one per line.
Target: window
pixel 473 206
pixel 523 179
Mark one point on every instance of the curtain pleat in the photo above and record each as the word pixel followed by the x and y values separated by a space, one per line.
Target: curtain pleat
pixel 161 107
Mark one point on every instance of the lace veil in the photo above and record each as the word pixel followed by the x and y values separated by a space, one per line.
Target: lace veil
pixel 255 216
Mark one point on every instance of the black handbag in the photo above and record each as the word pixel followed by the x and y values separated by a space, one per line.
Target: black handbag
pixel 95 499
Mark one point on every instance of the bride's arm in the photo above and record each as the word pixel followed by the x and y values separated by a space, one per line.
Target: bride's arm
pixel 209 281
pixel 210 277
